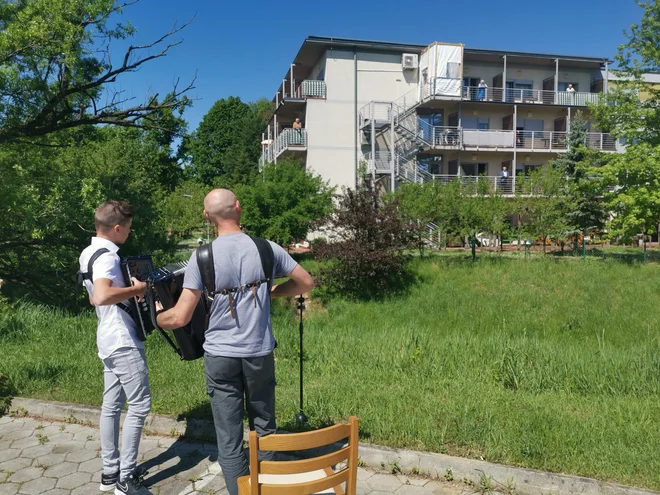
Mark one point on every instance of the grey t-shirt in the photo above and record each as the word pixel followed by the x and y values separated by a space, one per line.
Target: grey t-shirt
pixel 237 263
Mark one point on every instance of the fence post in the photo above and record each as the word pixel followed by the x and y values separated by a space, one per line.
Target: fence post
pixel 584 249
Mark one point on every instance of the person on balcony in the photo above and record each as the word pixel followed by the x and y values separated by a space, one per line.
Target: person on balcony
pixel 297 126
pixel 570 89
pixel 481 90
pixel 504 178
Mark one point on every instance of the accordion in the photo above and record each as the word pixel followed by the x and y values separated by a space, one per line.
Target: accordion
pixel 140 267
pixel 164 285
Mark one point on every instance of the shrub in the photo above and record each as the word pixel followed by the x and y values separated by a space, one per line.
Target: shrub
pixel 365 252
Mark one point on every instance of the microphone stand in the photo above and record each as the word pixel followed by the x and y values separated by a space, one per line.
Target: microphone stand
pixel 301 419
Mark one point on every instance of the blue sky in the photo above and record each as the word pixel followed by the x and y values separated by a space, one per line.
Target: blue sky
pixel 243 48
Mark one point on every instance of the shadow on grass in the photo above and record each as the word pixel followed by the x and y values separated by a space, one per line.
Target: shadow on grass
pixel 632 256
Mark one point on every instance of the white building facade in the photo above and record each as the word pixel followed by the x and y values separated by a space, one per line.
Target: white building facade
pixel 440 112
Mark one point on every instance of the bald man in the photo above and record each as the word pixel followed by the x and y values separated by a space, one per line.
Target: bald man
pixel 239 342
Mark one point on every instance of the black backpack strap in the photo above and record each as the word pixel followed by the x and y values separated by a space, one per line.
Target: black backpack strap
pixel 80 276
pixel 267 258
pixel 206 267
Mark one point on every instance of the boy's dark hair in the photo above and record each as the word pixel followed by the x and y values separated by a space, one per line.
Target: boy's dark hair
pixel 113 213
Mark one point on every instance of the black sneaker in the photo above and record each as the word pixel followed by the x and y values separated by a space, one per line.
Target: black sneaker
pixel 108 481
pixel 132 485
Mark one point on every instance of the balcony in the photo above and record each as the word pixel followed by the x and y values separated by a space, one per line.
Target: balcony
pixel 377 113
pixel 289 142
pixel 530 141
pixel 293 104
pixel 530 96
pixel 311 88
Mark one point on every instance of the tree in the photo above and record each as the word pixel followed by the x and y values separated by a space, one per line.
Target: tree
pixel 182 209
pixel 57 71
pixel 419 205
pixel 580 165
pixel 226 143
pixel 284 203
pixel 544 203
pixel 631 110
pixel 480 208
pixel 633 194
pixel 48 196
pixel 367 238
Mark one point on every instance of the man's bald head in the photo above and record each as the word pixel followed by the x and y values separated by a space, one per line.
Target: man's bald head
pixel 221 204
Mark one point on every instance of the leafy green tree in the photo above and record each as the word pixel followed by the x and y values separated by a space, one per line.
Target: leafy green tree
pixel 544 204
pixel 182 209
pixel 226 145
pixel 56 69
pixel 632 108
pixel 580 165
pixel 48 196
pixel 284 203
pixel 633 194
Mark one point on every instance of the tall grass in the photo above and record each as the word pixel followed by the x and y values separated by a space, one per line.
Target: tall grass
pixel 550 364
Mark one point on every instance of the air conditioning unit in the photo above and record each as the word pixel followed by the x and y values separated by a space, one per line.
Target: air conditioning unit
pixel 409 61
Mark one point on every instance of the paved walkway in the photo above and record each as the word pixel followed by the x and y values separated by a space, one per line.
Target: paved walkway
pixel 44 458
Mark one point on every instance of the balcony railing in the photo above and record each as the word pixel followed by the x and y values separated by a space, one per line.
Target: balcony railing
pixel 311 88
pixel 381 162
pixel 531 96
pixel 288 139
pixel 375 111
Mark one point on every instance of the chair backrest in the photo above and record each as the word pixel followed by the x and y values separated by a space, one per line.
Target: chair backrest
pixel 302 441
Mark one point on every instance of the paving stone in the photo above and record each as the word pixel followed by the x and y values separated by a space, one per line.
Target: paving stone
pixel 25 443
pixel 52 429
pixel 384 482
pixel 56 491
pixel 96 477
pixel 91 466
pixel 9 454
pixel 152 454
pixel 65 448
pixel 169 487
pixel 37 486
pixel 17 434
pixel 380 492
pixel 87 489
pixel 15 464
pixel 58 438
pixel 362 488
pixel 8 488
pixel 25 474
pixel 60 470
pixel 364 474
pixel 412 490
pixel 215 485
pixel 13 426
pixel 82 436
pixel 4 444
pixel 49 460
pixel 5 419
pixel 414 480
pixel 74 480
pixel 80 456
pixel 37 451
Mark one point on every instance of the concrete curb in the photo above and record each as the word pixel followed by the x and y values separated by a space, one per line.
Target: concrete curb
pixel 503 478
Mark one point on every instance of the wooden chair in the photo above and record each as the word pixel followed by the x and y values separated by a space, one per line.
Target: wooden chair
pixel 307 476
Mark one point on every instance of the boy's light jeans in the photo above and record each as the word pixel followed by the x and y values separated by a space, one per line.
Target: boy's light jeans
pixel 126 379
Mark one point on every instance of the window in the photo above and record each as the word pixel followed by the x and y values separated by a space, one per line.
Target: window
pixel 432 164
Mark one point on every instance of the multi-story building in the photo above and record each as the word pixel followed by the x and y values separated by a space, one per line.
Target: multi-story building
pixel 415 112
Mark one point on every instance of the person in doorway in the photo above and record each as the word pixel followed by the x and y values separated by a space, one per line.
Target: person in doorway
pixel 125 372
pixel 239 342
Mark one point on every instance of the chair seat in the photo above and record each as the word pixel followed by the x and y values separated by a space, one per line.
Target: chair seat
pixel 289 479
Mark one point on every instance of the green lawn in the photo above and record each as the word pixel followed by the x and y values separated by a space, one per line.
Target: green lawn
pixel 547 363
